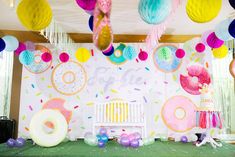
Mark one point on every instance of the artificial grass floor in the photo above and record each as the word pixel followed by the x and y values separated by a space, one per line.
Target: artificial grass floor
pixel 80 149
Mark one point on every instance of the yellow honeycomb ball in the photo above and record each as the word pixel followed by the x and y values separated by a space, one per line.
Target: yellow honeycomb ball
pixel 202 11
pixel 220 52
pixel 82 54
pixel 34 14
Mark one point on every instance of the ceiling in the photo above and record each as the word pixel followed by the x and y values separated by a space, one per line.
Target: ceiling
pixel 124 18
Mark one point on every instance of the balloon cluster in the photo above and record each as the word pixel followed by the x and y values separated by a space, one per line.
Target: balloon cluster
pixel 19 142
pixel 132 140
pixel 102 137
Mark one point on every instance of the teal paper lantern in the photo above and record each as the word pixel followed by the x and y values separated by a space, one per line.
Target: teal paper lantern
pixel 221 30
pixel 129 53
pixel 26 57
pixel 154 11
pixel 11 43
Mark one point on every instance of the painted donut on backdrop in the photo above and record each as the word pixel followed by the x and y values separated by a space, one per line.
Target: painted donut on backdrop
pixel 197 76
pixel 232 68
pixel 117 57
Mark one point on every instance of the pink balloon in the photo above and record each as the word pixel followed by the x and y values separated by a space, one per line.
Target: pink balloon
pixel 104 5
pixel 46 57
pixel 20 48
pixel 86 4
pixel 131 137
pixel 143 55
pixel 180 53
pixel 200 47
pixel 29 45
pixel 213 41
pixel 64 57
pixel 205 36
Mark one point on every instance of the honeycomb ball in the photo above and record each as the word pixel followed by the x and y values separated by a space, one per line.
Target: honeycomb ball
pixel 202 11
pixel 26 57
pixel 34 14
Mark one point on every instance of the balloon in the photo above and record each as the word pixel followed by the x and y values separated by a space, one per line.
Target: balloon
pixel 193 138
pixel 104 5
pixel 154 11
pixel 20 142
pixel 104 38
pixel 98 137
pixel 26 57
pixel 125 141
pixel 205 36
pixel 200 47
pixel 103 131
pixel 34 15
pixel 2 44
pixel 232 68
pixel 91 22
pixel 86 4
pixel 104 138
pixel 92 141
pixel 11 43
pixel 46 57
pixel 29 45
pixel 143 55
pixel 134 143
pixel 180 53
pixel 64 57
pixel 148 141
pixel 164 53
pixel 20 48
pixel 220 52
pixel 222 30
pixel 137 135
pixel 131 137
pixel 141 143
pixel 82 54
pixel 202 11
pixel 232 3
pixel 129 53
pixel 184 139
pixel 109 51
pixel 11 142
pixel 101 144
pixel 231 29
pixel 213 41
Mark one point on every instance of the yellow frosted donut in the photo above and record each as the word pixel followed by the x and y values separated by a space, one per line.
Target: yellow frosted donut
pixel 43 138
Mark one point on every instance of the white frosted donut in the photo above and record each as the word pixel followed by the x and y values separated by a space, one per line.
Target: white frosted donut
pixel 43 138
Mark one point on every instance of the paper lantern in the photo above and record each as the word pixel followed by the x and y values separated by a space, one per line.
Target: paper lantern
pixel 64 57
pixel 82 54
pixel 29 45
pixel 180 53
pixel 2 44
pixel 213 41
pixel 104 5
pixel 154 11
pixel 164 53
pixel 231 29
pixel 205 36
pixel 46 57
pixel 220 52
pixel 86 4
pixel 20 48
pixel 90 22
pixel 34 14
pixel 129 53
pixel 104 38
pixel 109 51
pixel 202 11
pixel 11 43
pixel 222 30
pixel 232 68
pixel 143 55
pixel 26 57
pixel 232 3
pixel 200 47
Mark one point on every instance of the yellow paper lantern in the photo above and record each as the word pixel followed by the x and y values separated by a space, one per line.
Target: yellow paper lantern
pixel 202 11
pixel 34 14
pixel 82 54
pixel 104 38
pixel 220 52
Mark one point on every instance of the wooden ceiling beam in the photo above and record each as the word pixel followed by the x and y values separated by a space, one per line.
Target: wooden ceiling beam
pixel 87 38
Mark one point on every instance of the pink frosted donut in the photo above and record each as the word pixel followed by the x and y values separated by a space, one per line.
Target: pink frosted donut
pixel 58 104
pixel 178 113
pixel 190 86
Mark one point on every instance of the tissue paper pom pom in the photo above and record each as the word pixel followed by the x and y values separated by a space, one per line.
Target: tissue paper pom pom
pixel 129 53
pixel 46 57
pixel 220 52
pixel 200 47
pixel 11 43
pixel 86 4
pixel 180 53
pixel 213 41
pixel 26 57
pixel 20 48
pixel 64 57
pixel 82 54
pixel 34 14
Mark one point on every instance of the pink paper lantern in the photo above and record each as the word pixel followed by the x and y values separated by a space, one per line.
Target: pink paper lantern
pixel 64 57
pixel 86 4
pixel 46 57
pixel 20 48
pixel 143 55
pixel 180 53
pixel 200 47
pixel 213 41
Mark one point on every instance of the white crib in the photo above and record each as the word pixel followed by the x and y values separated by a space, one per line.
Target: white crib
pixel 120 113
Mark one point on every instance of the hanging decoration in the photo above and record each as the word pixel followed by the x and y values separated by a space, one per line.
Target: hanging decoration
pixel 232 68
pixel 232 3
pixel 82 54
pixel 202 11
pixel 222 30
pixel 46 57
pixel 154 11
pixel 2 45
pixel 34 15
pixel 129 53
pixel 231 29
pixel 200 47
pixel 102 31
pixel 213 41
pixel 143 55
pixel 64 57
pixel 26 57
pixel 205 36
pixel 117 57
pixel 87 5
pixel 90 22
pixel 29 45
pixel 180 53
pixel 20 48
pixel 109 51
pixel 220 52
pixel 11 43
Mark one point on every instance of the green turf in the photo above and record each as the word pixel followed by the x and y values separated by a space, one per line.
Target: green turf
pixel 158 149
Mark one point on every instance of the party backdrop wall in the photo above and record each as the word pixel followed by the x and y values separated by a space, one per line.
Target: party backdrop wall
pixel 77 87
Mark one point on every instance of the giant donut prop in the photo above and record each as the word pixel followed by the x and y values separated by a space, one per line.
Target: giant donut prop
pixel 232 68
pixel 43 138
pixel 178 114
pixel 117 57
pixel 188 82
pixel 102 31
